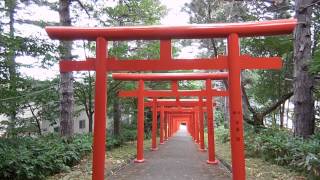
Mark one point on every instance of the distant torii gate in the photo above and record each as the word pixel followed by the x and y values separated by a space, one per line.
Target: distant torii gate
pixel 184 106
pixel 197 111
pixel 233 62
pixel 178 105
pixel 141 93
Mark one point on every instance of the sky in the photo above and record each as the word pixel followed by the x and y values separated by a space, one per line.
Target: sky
pixel 174 17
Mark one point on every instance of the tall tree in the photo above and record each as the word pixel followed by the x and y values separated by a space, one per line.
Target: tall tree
pixel 11 5
pixel 66 80
pixel 304 120
pixel 15 44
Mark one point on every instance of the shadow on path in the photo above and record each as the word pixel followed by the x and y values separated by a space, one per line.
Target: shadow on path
pixel 177 159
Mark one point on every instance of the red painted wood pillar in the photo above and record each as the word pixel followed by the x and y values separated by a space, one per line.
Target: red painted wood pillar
pixel 174 126
pixel 154 125
pixel 236 121
pixel 161 125
pixel 196 113
pixel 100 120
pixel 171 120
pixel 201 125
pixel 140 123
pixel 193 126
pixel 166 126
pixel 190 125
pixel 169 125
pixel 173 129
pixel 211 150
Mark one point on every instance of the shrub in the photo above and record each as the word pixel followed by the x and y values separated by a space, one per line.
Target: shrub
pixel 37 158
pixel 127 133
pixel 282 148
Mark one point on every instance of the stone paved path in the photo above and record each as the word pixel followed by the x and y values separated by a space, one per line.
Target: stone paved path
pixel 177 159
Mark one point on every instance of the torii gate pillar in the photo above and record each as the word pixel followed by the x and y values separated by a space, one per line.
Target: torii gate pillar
pixel 201 125
pixel 236 119
pixel 99 133
pixel 154 125
pixel 161 124
pixel 140 124
pixel 210 124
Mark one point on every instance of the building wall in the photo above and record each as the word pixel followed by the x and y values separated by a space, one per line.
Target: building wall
pixel 82 116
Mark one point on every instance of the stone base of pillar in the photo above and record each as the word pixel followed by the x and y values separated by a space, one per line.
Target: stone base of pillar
pixel 138 160
pixel 202 150
pixel 154 149
pixel 213 162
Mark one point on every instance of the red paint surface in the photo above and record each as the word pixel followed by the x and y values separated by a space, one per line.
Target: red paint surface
pixel 201 124
pixel 140 124
pixel 99 133
pixel 154 125
pixel 236 121
pixel 249 29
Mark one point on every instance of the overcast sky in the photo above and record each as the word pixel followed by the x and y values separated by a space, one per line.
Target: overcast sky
pixel 174 17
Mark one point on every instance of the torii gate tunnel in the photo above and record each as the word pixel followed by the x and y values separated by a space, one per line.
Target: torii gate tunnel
pixel 233 63
pixel 140 93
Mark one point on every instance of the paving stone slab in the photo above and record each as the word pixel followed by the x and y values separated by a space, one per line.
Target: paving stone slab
pixel 177 159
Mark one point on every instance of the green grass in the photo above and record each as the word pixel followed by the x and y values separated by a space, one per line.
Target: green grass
pixel 255 168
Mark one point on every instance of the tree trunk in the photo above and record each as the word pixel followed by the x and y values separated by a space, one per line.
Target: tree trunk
pixel 116 117
pixel 258 116
pixel 258 119
pixel 36 119
pixel 90 122
pixel 288 111
pixel 66 83
pixel 91 111
pixel 304 120
pixel 11 5
pixel 282 108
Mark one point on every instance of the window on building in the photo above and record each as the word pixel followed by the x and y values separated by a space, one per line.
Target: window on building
pixel 82 124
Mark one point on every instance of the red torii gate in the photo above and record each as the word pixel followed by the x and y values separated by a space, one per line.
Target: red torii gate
pixel 234 63
pixel 197 125
pixel 183 104
pixel 140 93
pixel 178 106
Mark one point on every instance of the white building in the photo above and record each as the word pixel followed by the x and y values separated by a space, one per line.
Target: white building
pixel 80 125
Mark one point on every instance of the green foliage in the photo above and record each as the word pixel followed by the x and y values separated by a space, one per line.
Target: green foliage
pixel 40 98
pixel 134 12
pixel 36 158
pixel 280 147
pixel 218 117
pixel 223 135
pixel 127 133
pixel 268 85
